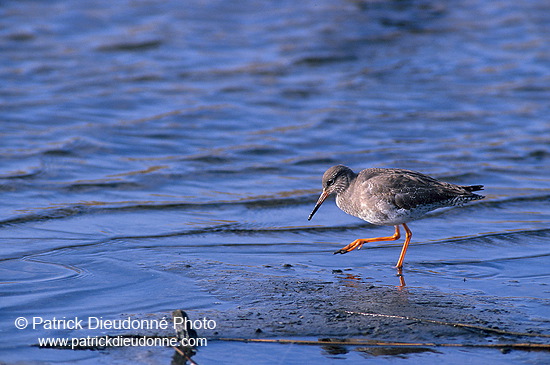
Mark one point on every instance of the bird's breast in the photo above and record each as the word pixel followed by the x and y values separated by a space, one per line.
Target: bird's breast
pixel 373 208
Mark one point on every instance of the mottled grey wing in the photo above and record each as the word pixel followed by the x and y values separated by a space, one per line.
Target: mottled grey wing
pixel 412 190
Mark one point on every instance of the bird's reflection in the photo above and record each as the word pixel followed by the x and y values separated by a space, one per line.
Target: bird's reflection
pixel 354 280
pixel 401 277
pixel 350 280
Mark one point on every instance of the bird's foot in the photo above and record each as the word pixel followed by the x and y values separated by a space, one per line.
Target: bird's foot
pixel 342 251
pixel 357 244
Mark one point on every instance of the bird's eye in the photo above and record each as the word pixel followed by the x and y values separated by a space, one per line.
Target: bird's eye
pixel 330 182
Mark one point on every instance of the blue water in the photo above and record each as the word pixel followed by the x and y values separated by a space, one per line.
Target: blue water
pixel 142 136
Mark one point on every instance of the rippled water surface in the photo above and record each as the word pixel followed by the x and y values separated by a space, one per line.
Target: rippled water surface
pixel 159 155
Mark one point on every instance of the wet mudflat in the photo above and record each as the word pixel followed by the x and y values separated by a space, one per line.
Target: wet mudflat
pixel 157 157
pixel 288 314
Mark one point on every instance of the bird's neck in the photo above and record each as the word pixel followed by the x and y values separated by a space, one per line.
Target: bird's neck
pixel 345 201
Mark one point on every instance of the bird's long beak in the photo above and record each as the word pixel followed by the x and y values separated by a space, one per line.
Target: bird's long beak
pixel 322 198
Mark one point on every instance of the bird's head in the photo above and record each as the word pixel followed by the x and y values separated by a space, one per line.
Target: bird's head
pixel 335 180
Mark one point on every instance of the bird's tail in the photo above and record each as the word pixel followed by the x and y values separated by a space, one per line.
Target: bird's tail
pixel 473 187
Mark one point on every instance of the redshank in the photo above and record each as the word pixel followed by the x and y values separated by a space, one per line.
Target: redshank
pixel 390 197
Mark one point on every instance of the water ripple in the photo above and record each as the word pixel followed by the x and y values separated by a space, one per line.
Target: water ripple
pixel 139 136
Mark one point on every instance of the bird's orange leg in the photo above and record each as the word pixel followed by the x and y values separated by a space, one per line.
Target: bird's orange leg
pixel 408 235
pixel 358 243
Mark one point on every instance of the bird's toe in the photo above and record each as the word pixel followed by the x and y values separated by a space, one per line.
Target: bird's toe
pixel 341 251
